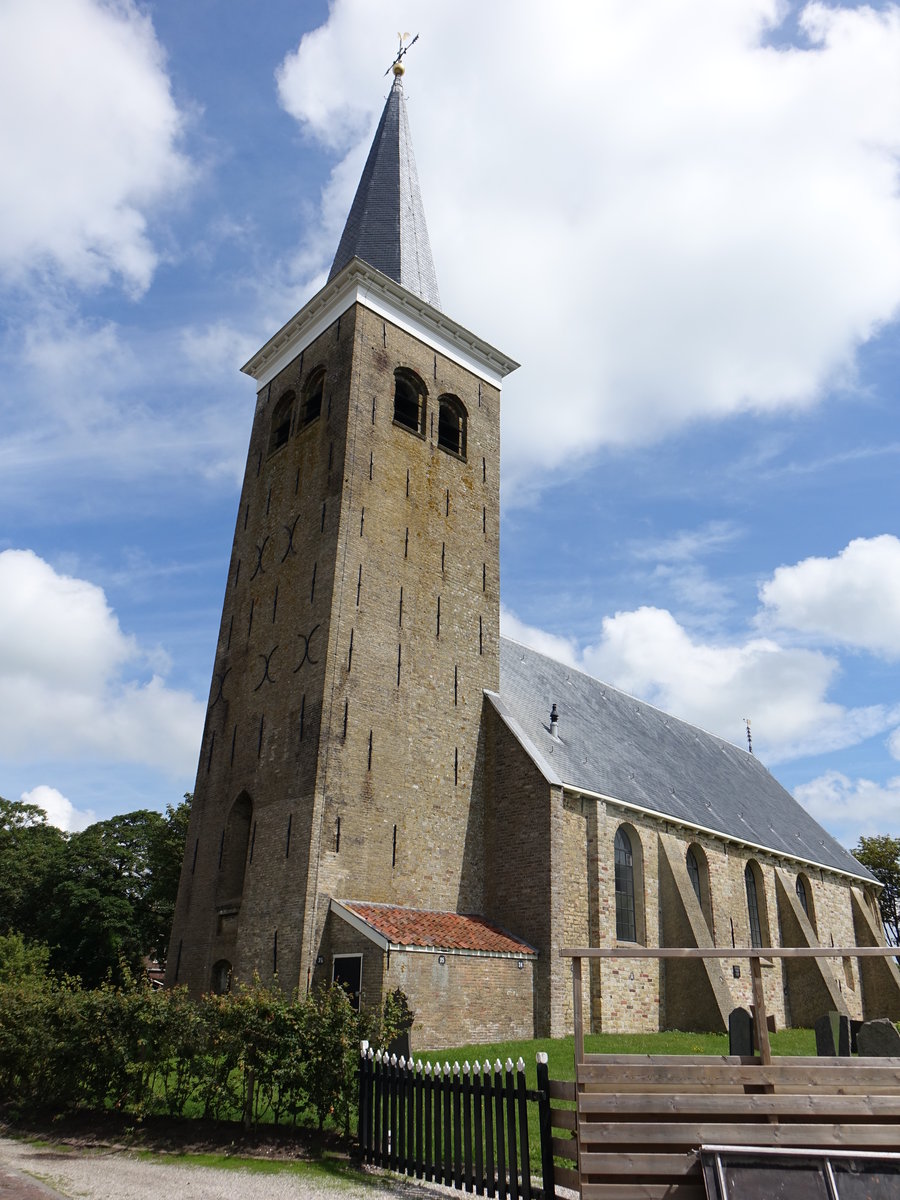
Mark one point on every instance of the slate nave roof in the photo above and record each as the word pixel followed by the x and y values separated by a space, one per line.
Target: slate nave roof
pixel 625 749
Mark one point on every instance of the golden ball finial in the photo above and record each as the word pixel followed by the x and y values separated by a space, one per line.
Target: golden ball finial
pixel 399 69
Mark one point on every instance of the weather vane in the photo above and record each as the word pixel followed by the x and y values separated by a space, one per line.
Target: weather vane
pixel 397 66
pixel 749 739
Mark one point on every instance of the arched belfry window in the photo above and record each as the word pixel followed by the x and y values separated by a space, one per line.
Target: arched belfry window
pixel 312 396
pixel 626 915
pixel 452 421
pixel 409 400
pixel 753 883
pixel 280 429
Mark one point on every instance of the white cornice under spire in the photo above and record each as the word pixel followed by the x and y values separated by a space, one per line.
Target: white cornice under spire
pixel 358 283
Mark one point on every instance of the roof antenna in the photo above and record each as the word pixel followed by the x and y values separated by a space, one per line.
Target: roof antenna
pixel 397 66
pixel 749 738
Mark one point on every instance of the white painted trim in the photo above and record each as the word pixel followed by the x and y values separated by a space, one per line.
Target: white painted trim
pixel 360 925
pixel 358 283
pixel 725 837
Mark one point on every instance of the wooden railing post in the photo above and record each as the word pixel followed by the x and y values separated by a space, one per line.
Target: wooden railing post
pixel 576 1002
pixel 545 1125
pixel 760 1023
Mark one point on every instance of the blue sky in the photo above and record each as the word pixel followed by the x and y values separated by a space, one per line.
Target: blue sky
pixel 682 217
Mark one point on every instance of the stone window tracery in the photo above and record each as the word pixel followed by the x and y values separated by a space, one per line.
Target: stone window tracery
pixel 626 915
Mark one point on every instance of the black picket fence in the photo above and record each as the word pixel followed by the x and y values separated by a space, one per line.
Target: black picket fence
pixel 464 1127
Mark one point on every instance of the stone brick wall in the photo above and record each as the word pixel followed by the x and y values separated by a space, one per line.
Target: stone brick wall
pixel 360 628
pixel 263 721
pixel 635 995
pixel 519 879
pixel 466 999
pixel 417 596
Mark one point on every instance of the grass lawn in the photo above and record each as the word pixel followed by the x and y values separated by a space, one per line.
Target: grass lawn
pixel 561 1053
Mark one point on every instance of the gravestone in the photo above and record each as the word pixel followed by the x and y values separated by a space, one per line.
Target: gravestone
pixel 833 1035
pixel 879 1039
pixel 740 1033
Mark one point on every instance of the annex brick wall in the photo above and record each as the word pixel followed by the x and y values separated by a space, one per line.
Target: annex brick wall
pixel 466 999
pixel 340 938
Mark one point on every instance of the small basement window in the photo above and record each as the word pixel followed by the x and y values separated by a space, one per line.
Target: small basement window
pixel 281 422
pixel 409 401
pixel 312 397
pixel 452 419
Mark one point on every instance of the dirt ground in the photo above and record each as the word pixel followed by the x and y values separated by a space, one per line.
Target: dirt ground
pixel 77 1160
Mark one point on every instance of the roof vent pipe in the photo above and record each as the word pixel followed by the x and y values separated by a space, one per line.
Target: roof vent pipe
pixel 554 722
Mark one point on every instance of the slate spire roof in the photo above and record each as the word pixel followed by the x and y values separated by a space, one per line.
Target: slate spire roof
pixel 386 226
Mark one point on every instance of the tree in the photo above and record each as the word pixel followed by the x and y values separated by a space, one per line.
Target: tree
pixel 31 854
pixel 881 854
pixel 166 853
pixel 98 899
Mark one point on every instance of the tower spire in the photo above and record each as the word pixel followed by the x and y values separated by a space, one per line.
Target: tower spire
pixel 386 226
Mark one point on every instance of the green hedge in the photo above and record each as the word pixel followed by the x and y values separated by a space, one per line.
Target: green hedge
pixel 254 1054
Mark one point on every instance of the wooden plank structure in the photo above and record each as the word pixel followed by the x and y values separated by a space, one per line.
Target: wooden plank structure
pixel 640 1120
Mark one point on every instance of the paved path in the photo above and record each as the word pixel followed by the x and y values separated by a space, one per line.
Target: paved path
pixel 30 1172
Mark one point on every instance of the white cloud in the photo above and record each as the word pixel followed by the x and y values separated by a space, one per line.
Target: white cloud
pixel 852 807
pixel 783 690
pixel 60 811
pixel 93 144
pixel 89 400
pixel 852 599
pixel 894 744
pixel 562 649
pixel 216 349
pixel 688 544
pixel 674 218
pixel 70 679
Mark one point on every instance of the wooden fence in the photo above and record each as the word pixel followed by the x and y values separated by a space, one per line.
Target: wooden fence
pixel 645 1122
pixel 465 1127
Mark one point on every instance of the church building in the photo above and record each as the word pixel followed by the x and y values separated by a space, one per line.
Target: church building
pixel 389 794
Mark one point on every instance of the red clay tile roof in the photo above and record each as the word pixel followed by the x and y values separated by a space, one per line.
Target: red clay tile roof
pixel 442 930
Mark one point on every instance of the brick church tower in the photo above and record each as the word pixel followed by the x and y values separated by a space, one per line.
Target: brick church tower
pixel 342 755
